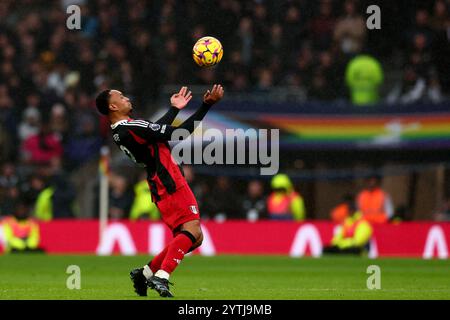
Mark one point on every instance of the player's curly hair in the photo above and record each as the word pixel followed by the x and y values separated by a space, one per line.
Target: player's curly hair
pixel 102 102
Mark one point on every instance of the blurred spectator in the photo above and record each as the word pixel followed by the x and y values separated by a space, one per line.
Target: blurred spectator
pixel 350 30
pixel 8 121
pixel 325 76
pixel 56 200
pixel 284 203
pixel 253 206
pixel 364 76
pixel 265 80
pixel 30 124
pixel 41 148
pixel 84 140
pixel 21 233
pixel 414 88
pixel 236 75
pixel 422 27
pixel 322 25
pixel 32 187
pixel 222 201
pixel 440 25
pixel 276 43
pixel 295 24
pixel 420 56
pixel 439 21
pixel 120 197
pixel 63 199
pixel 59 123
pixel 198 187
pixel 9 189
pixel 305 64
pixel 143 207
pixel 245 34
pixel 344 209
pixel 374 203
pixel 9 198
pixel 8 176
pixel 443 213
pixel 352 237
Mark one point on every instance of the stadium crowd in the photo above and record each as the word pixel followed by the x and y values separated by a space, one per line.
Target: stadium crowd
pixel 49 75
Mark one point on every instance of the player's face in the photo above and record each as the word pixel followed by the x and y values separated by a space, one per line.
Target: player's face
pixel 120 103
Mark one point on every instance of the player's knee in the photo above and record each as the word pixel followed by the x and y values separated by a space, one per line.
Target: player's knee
pixel 194 231
pixel 195 234
pixel 199 241
pixel 198 235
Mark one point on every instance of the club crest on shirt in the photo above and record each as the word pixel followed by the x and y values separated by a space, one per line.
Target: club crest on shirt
pixel 193 209
pixel 154 126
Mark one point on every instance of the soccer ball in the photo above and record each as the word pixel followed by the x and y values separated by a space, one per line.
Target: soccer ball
pixel 207 52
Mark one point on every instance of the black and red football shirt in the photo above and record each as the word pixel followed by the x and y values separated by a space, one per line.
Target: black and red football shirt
pixel 146 143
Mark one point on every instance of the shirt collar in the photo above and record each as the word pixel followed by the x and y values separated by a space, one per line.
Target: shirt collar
pixel 114 125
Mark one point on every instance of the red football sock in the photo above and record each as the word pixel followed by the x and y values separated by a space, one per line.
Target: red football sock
pixel 156 262
pixel 177 248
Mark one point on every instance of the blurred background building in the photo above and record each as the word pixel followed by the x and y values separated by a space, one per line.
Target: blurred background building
pixel 350 102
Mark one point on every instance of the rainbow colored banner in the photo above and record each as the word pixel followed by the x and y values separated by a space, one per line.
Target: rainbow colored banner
pixel 367 131
pixel 330 127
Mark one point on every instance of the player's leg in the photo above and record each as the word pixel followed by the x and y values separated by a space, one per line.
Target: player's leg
pixel 155 264
pixel 189 236
pixel 140 276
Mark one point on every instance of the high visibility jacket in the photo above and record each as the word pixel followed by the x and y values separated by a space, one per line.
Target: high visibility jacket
pixel 292 203
pixel 340 213
pixel 364 75
pixel 44 206
pixel 142 204
pixel 355 231
pixel 20 234
pixel 375 205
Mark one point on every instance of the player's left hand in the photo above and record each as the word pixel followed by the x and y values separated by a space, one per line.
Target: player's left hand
pixel 213 96
pixel 181 99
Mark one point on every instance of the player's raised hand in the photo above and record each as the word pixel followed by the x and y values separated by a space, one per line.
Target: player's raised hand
pixel 181 99
pixel 215 95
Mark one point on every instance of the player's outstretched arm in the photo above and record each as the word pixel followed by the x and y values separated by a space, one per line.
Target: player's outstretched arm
pixel 163 132
pixel 209 98
pixel 178 101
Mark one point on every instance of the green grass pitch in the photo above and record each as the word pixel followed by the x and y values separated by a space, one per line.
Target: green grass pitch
pixel 227 277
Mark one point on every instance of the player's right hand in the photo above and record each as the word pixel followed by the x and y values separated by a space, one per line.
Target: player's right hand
pixel 213 96
pixel 181 99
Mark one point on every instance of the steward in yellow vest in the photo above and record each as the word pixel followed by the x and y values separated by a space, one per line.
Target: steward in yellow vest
pixel 21 233
pixel 284 203
pixel 142 206
pixel 353 236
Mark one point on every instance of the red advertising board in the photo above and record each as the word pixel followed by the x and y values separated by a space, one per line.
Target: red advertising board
pixel 407 239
